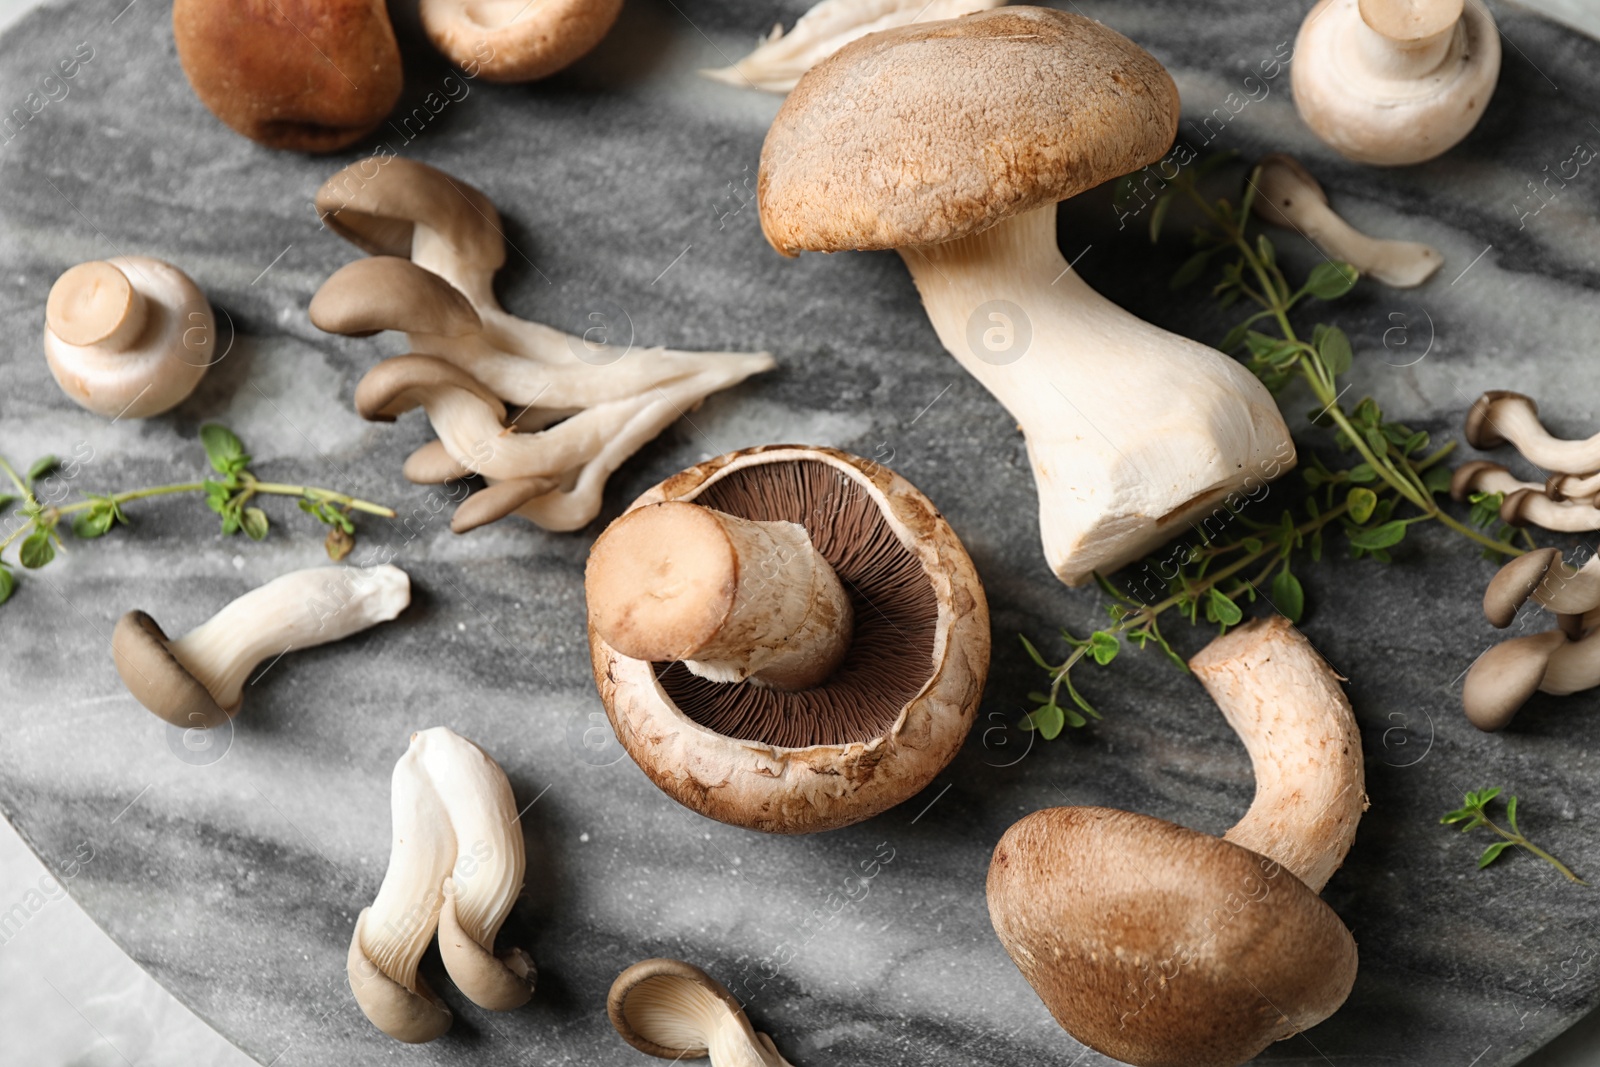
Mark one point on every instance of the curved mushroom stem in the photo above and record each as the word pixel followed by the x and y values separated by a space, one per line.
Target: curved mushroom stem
pixel 301 609
pixel 1484 476
pixel 676 1011
pixel 1506 676
pixel 731 598
pixel 1132 430
pixel 1584 487
pixel 1499 417
pixel 1287 195
pixel 1286 705
pixel 780 60
pixel 1530 507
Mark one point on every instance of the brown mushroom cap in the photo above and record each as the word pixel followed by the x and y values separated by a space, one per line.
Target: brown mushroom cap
pixel 1506 677
pixel 498 983
pixel 1161 946
pixel 932 131
pixel 156 678
pixel 513 40
pixel 629 1005
pixel 376 204
pixel 1479 430
pixel 1514 583
pixel 879 728
pixel 1464 482
pixel 414 1018
pixel 366 296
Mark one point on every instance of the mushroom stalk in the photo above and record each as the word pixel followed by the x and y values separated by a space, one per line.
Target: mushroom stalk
pixel 1131 430
pixel 1414 39
pixel 731 598
pixel 1499 417
pixel 1295 721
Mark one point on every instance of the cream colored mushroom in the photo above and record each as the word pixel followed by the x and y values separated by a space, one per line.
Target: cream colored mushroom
pixel 676 1011
pixel 1287 195
pixel 1499 417
pixel 1524 503
pixel 1542 575
pixel 780 60
pixel 1392 82
pixel 128 337
pixel 1572 486
pixel 437 244
pixel 1504 678
pixel 516 40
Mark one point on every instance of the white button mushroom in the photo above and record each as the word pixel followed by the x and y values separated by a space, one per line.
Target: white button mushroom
pixel 130 336
pixel 674 1010
pixel 198 680
pixel 1393 82
pixel 952 142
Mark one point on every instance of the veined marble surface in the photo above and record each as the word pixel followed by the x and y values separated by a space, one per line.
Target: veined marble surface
pixel 235 881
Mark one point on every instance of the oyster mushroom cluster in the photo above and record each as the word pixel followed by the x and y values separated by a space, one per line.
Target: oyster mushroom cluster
pixel 1567 501
pixel 543 416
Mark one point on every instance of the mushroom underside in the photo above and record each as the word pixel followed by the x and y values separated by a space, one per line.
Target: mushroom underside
pixel 896 613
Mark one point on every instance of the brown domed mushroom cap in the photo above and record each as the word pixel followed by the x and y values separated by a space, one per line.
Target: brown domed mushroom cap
pixel 1480 430
pixel 156 678
pixel 367 296
pixel 882 725
pixel 377 203
pixel 1159 945
pixel 517 40
pixel 1514 583
pixel 1506 677
pixel 932 131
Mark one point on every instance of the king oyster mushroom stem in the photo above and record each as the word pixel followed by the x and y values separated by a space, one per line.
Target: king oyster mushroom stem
pixel 1287 195
pixel 128 337
pixel 456 864
pixel 1501 417
pixel 780 60
pixel 730 598
pixel 1393 82
pixel 810 523
pixel 674 1010
pixel 198 680
pixel 1543 576
pixel 1524 503
pixel 611 399
pixel 945 141
pixel 1161 946
pixel 1505 677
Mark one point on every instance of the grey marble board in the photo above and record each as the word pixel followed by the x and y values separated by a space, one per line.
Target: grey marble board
pixel 234 874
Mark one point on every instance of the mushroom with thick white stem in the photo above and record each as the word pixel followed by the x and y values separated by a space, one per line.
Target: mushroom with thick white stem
pixel 674 1010
pixel 1288 195
pixel 789 639
pixel 1392 82
pixel 781 58
pixel 1104 911
pixel 1501 417
pixel 198 680
pixel 1523 503
pixel 952 142
pixel 516 40
pixel 609 398
pixel 128 337
pixel 1505 677
pixel 1544 577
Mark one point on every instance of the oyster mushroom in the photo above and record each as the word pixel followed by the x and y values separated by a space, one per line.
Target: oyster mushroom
pixel 1392 82
pixel 198 680
pixel 436 245
pixel 128 337
pixel 779 61
pixel 1501 417
pixel 1161 946
pixel 1543 576
pixel 516 40
pixel 1524 503
pixel 676 1011
pixel 952 142
pixel 869 734
pixel 1505 677
pixel 1287 195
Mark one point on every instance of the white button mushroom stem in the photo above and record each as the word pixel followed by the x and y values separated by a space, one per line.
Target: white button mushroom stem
pixel 1499 417
pixel 1131 429
pixel 731 598
pixel 676 1011
pixel 779 61
pixel 1286 705
pixel 1287 195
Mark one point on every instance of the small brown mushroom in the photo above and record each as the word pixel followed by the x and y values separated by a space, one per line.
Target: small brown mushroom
pixel 869 734
pixel 1287 195
pixel 676 1011
pixel 301 76
pixel 381 293
pixel 1500 416
pixel 1542 575
pixel 1505 677
pixel 1161 946
pixel 1523 503
pixel 516 40
pixel 128 337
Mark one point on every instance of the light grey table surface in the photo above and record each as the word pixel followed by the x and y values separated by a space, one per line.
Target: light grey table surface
pixel 234 883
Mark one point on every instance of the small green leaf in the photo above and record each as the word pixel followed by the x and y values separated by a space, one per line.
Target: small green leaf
pixel 8 584
pixel 1331 280
pixel 41 467
pixel 36 549
pixel 1103 647
pixel 1288 595
pixel 1265 250
pixel 6 500
pixel 1437 479
pixel 1073 718
pixel 1159 215
pixel 1048 720
pixel 1379 537
pixel 224 450
pixel 1511 814
pixel 1492 853
pixel 1335 351
pixel 1033 653
pixel 1223 609
pixel 1235 337
pixel 1191 270
pixel 1252 545
pixel 254 523
pixel 1362 502
pixel 93 523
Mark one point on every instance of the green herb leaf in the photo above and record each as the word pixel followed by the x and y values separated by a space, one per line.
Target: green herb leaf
pixel 1362 503
pixel 1379 537
pixel 224 450
pixel 8 584
pixel 1191 270
pixel 1331 280
pixel 1033 654
pixel 93 523
pixel 1222 609
pixel 41 467
pixel 36 549
pixel 1048 720
pixel 1437 479
pixel 1288 595
pixel 1492 853
pixel 6 500
pixel 1103 647
pixel 254 523
pixel 1158 215
pixel 1334 348
pixel 1511 814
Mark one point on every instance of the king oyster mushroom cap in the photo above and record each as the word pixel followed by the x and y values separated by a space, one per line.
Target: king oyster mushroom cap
pixel 1288 195
pixel 198 680
pixel 514 40
pixel 882 725
pixel 952 142
pixel 1506 676
pixel 1392 82
pixel 128 337
pixel 1501 417
pixel 1165 947
pixel 674 1010
pixel 780 60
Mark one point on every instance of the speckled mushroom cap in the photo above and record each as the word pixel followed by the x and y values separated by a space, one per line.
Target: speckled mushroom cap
pixel 933 131
pixel 1159 945
pixel 884 723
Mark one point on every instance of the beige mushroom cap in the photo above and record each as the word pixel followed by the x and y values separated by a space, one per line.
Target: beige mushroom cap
pixel 879 728
pixel 1161 946
pixel 641 1027
pixel 376 204
pixel 414 1018
pixel 933 131
pixel 515 40
pixel 367 296
pixel 1506 677
pixel 156 678
pixel 1514 583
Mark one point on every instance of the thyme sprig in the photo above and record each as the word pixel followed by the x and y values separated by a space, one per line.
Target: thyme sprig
pixel 1474 812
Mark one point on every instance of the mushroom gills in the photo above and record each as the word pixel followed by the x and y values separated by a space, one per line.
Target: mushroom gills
pixel 674 1010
